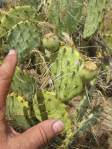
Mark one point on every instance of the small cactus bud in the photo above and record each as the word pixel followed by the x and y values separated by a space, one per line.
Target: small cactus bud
pixel 51 42
pixel 88 71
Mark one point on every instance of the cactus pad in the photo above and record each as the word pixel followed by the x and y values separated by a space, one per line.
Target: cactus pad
pixel 106 30
pixel 95 12
pixel 15 111
pixel 24 36
pixel 14 16
pixel 64 71
pixel 65 14
pixel 55 109
pixel 23 84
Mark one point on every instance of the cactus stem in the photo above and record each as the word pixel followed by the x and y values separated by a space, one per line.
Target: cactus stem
pixel 83 106
pixel 41 104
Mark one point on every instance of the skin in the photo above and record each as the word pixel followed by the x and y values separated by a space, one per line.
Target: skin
pixel 35 137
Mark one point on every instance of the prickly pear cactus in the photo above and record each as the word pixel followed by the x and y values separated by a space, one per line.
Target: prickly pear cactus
pixel 106 29
pixel 19 114
pixel 24 36
pixel 54 108
pixel 23 84
pixel 29 102
pixel 19 103
pixel 64 70
pixel 64 14
pixel 70 73
pixel 15 111
pixel 14 16
pixel 95 13
pixel 20 84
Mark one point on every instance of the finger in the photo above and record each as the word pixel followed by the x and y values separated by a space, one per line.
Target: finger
pixel 6 72
pixel 40 134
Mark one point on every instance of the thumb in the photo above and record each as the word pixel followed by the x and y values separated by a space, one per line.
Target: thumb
pixel 40 134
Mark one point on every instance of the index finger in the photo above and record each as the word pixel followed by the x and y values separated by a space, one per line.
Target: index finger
pixel 6 73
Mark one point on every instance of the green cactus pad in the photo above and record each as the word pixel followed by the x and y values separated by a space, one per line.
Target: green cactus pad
pixel 64 71
pixel 14 16
pixel 55 109
pixel 24 36
pixel 65 14
pixel 106 30
pixel 15 111
pixel 95 13
pixel 23 84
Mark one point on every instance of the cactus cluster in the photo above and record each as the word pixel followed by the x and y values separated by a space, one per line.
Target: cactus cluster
pixel 18 110
pixel 35 105
pixel 24 107
pixel 24 29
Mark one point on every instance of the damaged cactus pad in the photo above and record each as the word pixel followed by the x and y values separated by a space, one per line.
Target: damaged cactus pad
pixel 15 111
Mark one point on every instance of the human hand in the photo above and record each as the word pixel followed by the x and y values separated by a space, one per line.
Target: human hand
pixel 36 136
